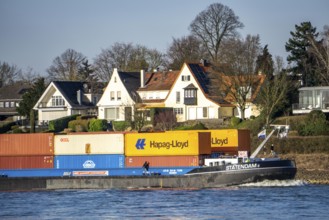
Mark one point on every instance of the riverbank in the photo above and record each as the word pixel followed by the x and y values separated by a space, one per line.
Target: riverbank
pixel 313 168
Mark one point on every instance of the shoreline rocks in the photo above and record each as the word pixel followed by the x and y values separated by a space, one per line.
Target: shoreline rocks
pixel 313 176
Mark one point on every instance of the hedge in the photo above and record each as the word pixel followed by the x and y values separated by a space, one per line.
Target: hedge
pixel 97 125
pixel 60 124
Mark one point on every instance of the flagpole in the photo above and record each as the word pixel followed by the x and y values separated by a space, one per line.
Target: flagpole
pixel 254 154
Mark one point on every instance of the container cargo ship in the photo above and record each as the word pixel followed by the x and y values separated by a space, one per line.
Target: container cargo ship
pixel 177 159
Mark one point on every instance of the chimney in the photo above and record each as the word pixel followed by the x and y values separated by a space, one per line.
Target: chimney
pixel 79 96
pixel 142 78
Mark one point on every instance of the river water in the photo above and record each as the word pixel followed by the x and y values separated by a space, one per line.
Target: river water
pixel 267 200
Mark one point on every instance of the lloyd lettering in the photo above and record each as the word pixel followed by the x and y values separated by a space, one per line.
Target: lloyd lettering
pixel 168 145
pixel 218 141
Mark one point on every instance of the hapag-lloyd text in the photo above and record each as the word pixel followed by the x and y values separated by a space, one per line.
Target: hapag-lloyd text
pixel 167 145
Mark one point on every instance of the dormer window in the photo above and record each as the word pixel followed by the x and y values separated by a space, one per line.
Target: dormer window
pixel 190 95
pixel 57 101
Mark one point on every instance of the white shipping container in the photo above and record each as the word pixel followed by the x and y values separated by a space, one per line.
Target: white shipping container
pixel 80 144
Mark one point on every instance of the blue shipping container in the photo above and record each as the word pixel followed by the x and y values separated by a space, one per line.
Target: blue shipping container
pixel 100 161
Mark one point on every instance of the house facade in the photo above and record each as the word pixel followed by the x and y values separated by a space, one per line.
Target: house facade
pixel 10 96
pixel 155 87
pixel 186 91
pixel 312 98
pixel 65 98
pixel 119 98
pixel 191 99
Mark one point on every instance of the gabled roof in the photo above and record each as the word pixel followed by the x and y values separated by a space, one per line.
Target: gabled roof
pixel 157 81
pixel 69 91
pixel 14 91
pixel 202 77
pixel 131 81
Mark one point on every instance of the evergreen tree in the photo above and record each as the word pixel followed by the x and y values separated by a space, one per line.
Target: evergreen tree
pixel 264 63
pixel 30 98
pixel 298 46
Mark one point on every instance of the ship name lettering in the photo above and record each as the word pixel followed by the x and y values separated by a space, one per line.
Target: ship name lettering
pixel 242 166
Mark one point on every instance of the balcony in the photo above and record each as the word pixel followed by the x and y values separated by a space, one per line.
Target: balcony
pixel 43 105
pixel 307 108
pixel 191 101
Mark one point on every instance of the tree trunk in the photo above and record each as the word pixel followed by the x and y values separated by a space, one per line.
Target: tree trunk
pixel 32 121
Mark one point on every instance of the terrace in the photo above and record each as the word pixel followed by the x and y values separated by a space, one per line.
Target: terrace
pixel 312 98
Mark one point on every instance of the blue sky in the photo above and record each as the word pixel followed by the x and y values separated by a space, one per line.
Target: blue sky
pixel 34 32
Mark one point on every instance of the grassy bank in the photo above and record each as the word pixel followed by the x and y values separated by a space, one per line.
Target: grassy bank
pixel 311 155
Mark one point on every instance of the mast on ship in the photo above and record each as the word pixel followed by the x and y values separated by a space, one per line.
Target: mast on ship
pixel 282 132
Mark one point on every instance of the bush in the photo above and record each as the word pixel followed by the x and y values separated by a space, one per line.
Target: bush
pixel 6 127
pixel 97 125
pixel 120 125
pixel 197 126
pixel 60 124
pixel 254 125
pixel 314 124
pixel 235 121
pixel 296 145
pixel 78 125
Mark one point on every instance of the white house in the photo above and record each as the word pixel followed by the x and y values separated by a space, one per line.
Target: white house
pixel 191 98
pixel 312 98
pixel 65 98
pixel 120 96
pixel 155 87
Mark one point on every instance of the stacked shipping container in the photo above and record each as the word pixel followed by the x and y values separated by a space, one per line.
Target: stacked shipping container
pixel 118 150
pixel 167 149
pixel 230 141
pixel 89 151
pixel 24 151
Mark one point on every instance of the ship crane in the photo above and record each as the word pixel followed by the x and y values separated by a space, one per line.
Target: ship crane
pixel 282 132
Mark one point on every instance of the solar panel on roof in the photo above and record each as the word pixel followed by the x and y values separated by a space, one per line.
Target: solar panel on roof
pixel 201 76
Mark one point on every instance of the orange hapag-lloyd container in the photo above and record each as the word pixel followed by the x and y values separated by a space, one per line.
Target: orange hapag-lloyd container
pixel 164 161
pixel 26 162
pixel 26 144
pixel 187 143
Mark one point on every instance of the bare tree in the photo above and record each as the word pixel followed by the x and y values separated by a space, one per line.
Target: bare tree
pixel 155 59
pixel 320 49
pixel 213 25
pixel 8 74
pixel 66 66
pixel 234 79
pixel 126 57
pixel 272 95
pixel 185 49
pixel 28 76
pixel 240 55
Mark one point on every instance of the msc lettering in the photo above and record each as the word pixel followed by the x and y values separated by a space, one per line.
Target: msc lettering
pixel 168 145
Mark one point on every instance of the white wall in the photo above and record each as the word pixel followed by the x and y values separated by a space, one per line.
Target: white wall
pixel 105 101
pixel 190 112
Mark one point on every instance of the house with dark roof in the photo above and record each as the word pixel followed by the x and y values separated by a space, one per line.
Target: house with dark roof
pixel 186 91
pixel 119 98
pixel 65 98
pixel 10 96
pixel 191 97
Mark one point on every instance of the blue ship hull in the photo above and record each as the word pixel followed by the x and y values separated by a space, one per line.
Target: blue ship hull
pixel 127 178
